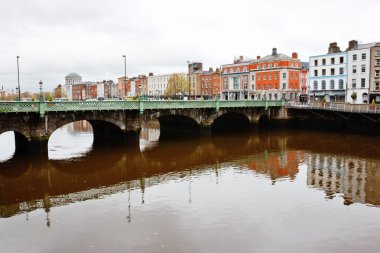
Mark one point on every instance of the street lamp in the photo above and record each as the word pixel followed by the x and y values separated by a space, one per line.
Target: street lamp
pixel 188 76
pixel 41 97
pixel 125 75
pixel 18 79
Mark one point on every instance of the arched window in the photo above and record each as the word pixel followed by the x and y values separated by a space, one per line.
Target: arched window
pixel 238 70
pixel 315 85
pixel 245 69
pixel 231 70
pixel 323 85
pixel 341 84
pixel 225 71
pixel 332 84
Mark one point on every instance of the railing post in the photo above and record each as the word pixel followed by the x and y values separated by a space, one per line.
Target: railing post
pixel 141 106
pixel 217 105
pixel 266 104
pixel 42 108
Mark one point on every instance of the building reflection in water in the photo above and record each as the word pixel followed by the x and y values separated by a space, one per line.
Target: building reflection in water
pixel 358 181
pixel 107 171
pixel 278 165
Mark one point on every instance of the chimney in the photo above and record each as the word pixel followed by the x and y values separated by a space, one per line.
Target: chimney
pixel 241 57
pixel 333 48
pixel 210 69
pixel 258 57
pixel 294 55
pixel 150 74
pixel 352 44
pixel 274 51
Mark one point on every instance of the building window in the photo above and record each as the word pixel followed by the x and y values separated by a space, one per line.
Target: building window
pixel 362 81
pixel 377 73
pixel 341 59
pixel 269 66
pixel 283 75
pixel 323 72
pixel 332 61
pixel 353 83
pixel 269 77
pixel 378 53
pixel 377 86
pixel 341 71
pixel 231 70
pixel 332 84
pixel 378 62
pixel 253 86
pixel 245 86
pixel 264 77
pixel 275 76
pixel 315 72
pixel 363 68
pixel 353 69
pixel 315 62
pixel 245 69
pixel 264 66
pixel 269 86
pixel 323 61
pixel 364 56
pixel 332 72
pixel 323 85
pixel 315 85
pixel 258 77
pixel 258 66
pixel 341 84
pixel 265 86
pixel 354 57
pixel 284 86
pixel 237 70
pixel 225 84
pixel 236 83
pixel 252 77
pixel 276 65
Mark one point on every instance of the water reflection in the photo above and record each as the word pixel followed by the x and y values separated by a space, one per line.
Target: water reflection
pixel 237 183
pixel 71 141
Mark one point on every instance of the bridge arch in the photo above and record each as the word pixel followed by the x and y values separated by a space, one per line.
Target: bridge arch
pixel 231 121
pixel 175 123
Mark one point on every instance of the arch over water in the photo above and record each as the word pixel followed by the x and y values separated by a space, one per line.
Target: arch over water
pixel 177 125
pixel 231 121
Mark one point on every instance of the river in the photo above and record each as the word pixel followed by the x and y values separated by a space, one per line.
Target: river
pixel 262 191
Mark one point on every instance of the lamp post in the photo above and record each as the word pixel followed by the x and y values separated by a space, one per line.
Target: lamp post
pixel 125 76
pixel 41 97
pixel 188 76
pixel 18 80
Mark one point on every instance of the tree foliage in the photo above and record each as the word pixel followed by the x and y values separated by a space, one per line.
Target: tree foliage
pixel 177 85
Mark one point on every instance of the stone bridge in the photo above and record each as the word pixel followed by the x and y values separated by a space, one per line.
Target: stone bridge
pixel 120 121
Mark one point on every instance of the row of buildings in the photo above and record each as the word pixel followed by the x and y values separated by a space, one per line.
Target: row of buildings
pixel 351 76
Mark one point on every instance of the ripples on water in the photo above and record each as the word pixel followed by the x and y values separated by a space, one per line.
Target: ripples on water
pixel 271 192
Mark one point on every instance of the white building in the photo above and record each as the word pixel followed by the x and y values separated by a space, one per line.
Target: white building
pixel 158 84
pixel 358 72
pixel 328 75
pixel 70 80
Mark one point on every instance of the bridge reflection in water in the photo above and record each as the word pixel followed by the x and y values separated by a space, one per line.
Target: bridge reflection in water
pixel 339 165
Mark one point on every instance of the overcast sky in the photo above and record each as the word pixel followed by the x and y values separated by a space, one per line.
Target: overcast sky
pixel 56 37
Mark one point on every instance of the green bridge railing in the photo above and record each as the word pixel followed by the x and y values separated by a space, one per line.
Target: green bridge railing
pixel 140 105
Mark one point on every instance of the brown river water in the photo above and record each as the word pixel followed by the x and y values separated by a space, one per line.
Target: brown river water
pixel 262 191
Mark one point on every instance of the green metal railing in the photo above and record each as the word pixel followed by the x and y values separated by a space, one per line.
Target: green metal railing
pixel 140 105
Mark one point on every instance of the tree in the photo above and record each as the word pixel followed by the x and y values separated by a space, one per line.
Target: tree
pixel 177 85
pixel 354 96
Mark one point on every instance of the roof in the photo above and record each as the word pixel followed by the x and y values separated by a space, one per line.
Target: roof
pixel 276 57
pixel 73 75
pixel 365 46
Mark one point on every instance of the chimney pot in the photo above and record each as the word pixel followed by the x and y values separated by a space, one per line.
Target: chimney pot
pixel 258 57
pixel 294 55
pixel 274 51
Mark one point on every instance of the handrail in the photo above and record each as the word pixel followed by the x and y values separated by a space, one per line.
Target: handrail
pixel 341 107
pixel 141 105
